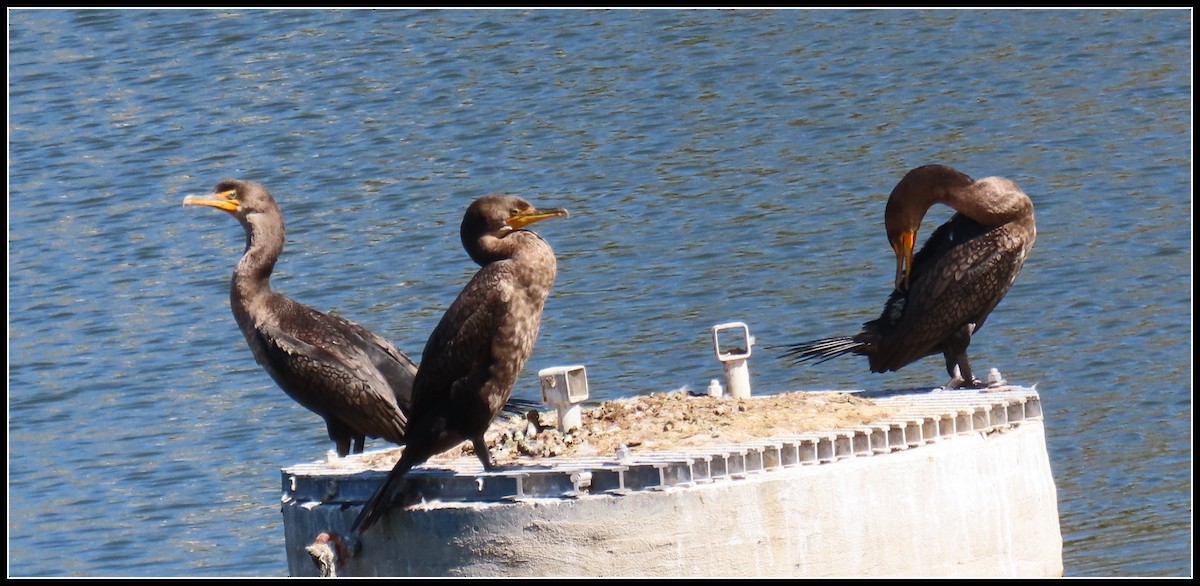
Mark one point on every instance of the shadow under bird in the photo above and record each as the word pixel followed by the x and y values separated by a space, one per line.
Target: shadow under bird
pixel 475 353
pixel 944 293
pixel 357 381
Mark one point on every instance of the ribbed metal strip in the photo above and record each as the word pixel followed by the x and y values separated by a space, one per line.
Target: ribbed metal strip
pixel 916 420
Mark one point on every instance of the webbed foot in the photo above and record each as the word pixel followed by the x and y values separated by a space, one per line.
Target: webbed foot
pixel 958 382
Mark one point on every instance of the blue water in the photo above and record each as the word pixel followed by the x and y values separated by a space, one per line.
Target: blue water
pixel 718 166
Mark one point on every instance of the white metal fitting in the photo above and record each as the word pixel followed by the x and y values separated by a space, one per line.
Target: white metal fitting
pixel 714 388
pixel 565 387
pixel 734 358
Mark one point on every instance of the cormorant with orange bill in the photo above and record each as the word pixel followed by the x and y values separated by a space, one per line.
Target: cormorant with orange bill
pixel 475 353
pixel 944 293
pixel 357 381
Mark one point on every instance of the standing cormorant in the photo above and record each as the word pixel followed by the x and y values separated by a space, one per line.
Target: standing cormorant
pixel 481 344
pixel 336 368
pixel 944 293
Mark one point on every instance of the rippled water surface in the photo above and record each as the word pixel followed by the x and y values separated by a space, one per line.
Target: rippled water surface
pixel 718 166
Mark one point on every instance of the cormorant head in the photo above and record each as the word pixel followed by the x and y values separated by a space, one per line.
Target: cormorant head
pixel 495 217
pixel 910 199
pixel 242 199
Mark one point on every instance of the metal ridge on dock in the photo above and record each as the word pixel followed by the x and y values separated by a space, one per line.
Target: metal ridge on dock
pixel 917 418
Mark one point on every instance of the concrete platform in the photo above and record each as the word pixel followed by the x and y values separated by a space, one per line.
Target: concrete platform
pixel 955 483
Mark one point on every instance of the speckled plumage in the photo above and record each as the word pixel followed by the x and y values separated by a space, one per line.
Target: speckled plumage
pixel 947 292
pixel 354 379
pixel 482 342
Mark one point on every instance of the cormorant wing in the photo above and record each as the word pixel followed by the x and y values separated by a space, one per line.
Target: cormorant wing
pixel 959 276
pixel 459 353
pixel 333 368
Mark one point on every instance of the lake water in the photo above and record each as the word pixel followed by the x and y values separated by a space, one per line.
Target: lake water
pixel 718 166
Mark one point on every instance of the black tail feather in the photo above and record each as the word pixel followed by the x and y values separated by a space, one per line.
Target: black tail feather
pixel 382 499
pixel 823 349
pixel 426 441
pixel 521 407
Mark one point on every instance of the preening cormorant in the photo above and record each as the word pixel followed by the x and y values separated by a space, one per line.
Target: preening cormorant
pixel 945 292
pixel 356 380
pixel 475 353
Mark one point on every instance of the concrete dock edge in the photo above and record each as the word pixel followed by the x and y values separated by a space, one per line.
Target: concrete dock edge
pixel 978 500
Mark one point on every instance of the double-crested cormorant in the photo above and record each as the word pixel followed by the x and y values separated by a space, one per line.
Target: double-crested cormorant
pixel 474 354
pixel 338 369
pixel 944 293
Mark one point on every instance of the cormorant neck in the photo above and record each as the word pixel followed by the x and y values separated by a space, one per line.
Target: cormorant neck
pixel 918 191
pixel 492 247
pixel 991 201
pixel 264 244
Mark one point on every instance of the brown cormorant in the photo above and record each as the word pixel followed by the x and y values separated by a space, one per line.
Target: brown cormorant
pixel 944 293
pixel 356 380
pixel 475 353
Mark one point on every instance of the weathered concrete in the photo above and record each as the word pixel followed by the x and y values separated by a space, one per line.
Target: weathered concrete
pixel 974 503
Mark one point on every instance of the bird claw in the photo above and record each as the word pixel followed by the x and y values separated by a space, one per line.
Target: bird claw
pixel 957 381
pixel 960 383
pixel 534 423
